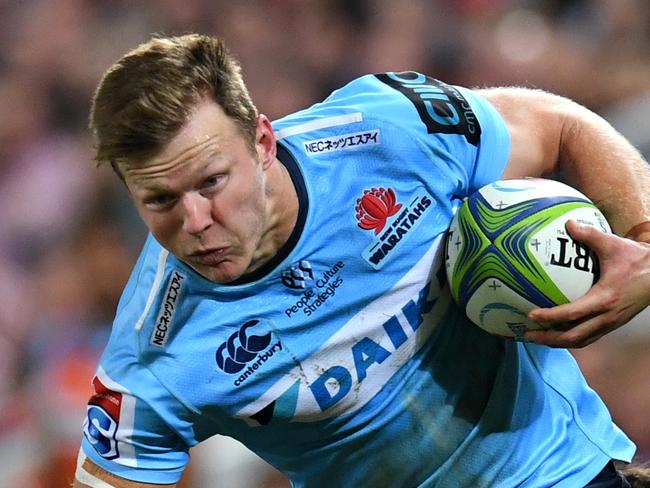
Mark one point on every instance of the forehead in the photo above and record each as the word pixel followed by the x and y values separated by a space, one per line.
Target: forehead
pixel 207 122
pixel 207 133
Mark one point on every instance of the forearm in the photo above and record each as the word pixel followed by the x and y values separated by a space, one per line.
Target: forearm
pixel 556 137
pixel 599 161
pixel 89 475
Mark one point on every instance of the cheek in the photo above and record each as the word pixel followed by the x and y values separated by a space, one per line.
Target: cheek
pixel 247 205
pixel 164 228
pixel 245 217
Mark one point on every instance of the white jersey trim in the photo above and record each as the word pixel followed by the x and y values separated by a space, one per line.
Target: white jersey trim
pixel 162 260
pixel 319 124
pixel 124 434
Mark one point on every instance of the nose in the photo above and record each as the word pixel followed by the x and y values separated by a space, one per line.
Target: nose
pixel 197 214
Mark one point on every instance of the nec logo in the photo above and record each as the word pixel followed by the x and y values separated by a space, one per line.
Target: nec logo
pixel 245 348
pixel 296 276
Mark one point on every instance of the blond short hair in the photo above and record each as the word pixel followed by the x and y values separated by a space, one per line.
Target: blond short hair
pixel 144 99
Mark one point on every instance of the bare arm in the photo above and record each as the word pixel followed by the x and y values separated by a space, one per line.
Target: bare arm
pixel 89 475
pixel 555 137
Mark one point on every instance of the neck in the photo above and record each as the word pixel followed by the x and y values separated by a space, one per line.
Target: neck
pixel 283 208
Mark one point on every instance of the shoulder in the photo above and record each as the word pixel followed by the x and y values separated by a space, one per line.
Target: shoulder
pixel 412 101
pixel 157 278
pixel 148 314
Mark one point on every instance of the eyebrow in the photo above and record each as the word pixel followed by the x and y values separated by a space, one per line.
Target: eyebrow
pixel 156 188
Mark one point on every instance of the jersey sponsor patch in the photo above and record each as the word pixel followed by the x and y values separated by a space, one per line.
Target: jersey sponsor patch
pixel 377 210
pixel 103 418
pixel 441 107
pixel 298 275
pixel 320 288
pixel 343 141
pixel 350 368
pixel 109 420
pixel 247 350
pixel 168 307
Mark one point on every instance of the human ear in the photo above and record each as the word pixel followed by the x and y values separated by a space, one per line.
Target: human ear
pixel 265 141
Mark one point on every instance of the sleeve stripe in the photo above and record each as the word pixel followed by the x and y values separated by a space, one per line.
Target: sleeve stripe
pixel 319 124
pixel 162 260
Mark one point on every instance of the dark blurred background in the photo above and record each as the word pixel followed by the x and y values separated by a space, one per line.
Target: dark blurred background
pixel 68 237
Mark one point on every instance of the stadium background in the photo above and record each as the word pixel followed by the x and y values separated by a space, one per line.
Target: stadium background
pixel 68 236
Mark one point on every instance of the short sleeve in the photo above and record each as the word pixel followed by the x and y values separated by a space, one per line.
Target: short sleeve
pixel 494 148
pixel 452 125
pixel 126 436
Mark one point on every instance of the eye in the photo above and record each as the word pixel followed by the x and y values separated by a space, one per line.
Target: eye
pixel 211 181
pixel 160 202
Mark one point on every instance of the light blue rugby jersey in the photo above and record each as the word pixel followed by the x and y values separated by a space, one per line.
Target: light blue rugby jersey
pixel 345 363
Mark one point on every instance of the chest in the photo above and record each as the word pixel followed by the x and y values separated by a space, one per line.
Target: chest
pixel 321 339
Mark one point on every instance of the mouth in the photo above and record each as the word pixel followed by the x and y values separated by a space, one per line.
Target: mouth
pixel 209 257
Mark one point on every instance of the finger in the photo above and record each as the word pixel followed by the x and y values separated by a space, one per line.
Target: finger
pixel 579 310
pixel 560 339
pixel 597 240
pixel 578 336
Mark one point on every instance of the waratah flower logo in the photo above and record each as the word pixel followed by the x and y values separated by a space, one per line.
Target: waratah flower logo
pixel 374 208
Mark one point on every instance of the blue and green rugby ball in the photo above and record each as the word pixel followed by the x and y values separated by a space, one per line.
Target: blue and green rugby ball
pixel 508 252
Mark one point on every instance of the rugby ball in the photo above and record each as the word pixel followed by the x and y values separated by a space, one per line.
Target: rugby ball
pixel 508 252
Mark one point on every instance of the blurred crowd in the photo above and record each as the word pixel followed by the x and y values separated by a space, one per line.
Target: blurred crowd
pixel 68 237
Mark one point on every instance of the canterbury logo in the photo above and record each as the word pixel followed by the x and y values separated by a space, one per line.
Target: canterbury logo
pixel 296 276
pixel 241 348
pixel 375 207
